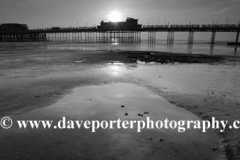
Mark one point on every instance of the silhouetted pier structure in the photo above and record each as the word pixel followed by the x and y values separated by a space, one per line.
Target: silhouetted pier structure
pixel 110 32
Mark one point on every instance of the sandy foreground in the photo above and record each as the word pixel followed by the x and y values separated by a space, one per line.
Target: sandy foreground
pixel 36 78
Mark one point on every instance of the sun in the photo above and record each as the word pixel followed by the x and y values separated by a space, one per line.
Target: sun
pixel 115 16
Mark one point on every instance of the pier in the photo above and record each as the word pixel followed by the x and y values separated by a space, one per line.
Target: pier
pixel 113 32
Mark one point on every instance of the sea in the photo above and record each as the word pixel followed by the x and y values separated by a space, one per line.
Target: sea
pixel 179 46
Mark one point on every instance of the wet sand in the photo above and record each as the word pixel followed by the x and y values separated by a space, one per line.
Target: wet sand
pixel 38 78
pixel 110 102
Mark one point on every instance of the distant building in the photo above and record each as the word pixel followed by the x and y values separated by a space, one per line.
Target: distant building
pixel 130 23
pixel 13 27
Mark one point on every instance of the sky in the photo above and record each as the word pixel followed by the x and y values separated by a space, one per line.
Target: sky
pixel 67 13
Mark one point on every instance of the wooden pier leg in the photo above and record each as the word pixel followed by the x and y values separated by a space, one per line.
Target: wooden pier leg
pixel 24 37
pixel 13 37
pixel 10 37
pixel 130 36
pixel 106 37
pixel 103 37
pixel 96 36
pixel 140 37
pixel 57 36
pixel 122 36
pixel 155 36
pixel 88 37
pixel 40 36
pixel 237 36
pixel 148 37
pixel 91 36
pixel 44 36
pixel 2 38
pixel 135 37
pixel 78 38
pixel 170 37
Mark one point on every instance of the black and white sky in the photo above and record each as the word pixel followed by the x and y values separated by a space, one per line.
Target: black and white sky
pixel 90 12
pixel 67 13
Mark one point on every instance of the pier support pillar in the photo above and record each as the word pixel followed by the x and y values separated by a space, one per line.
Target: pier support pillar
pixel 213 37
pixel 1 37
pixel 170 37
pixel 190 37
pixel 151 37
pixel 139 37
pixel 237 36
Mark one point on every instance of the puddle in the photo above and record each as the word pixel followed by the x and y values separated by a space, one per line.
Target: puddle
pixel 108 102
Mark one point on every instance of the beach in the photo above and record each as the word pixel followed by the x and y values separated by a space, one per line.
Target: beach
pixel 203 86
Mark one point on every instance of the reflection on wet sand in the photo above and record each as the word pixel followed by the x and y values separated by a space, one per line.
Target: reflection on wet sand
pixel 211 49
pixel 190 48
pixel 170 47
pixel 108 102
pixel 115 68
pixel 235 51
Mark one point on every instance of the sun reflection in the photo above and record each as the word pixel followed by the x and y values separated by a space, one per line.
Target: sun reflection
pixel 116 68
